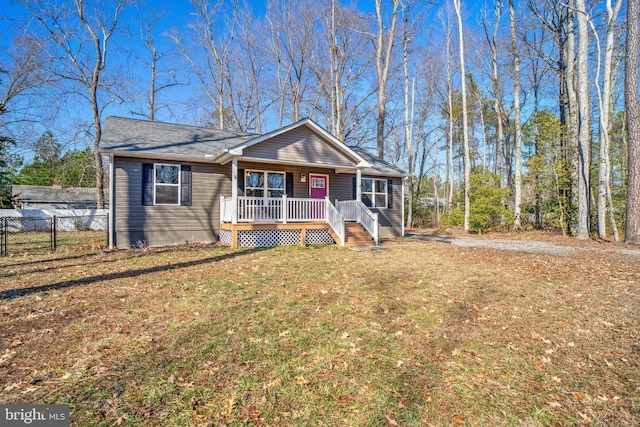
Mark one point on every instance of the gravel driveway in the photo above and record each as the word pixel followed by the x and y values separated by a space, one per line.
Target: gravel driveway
pixel 527 246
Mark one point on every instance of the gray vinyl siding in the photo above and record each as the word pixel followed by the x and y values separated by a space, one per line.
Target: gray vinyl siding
pixel 300 145
pixel 300 189
pixel 167 225
pixel 390 218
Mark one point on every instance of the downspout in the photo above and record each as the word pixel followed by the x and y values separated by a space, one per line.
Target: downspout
pixel 234 190
pixel 403 181
pixel 112 187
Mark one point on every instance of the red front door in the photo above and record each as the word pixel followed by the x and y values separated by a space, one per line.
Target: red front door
pixel 317 190
pixel 318 186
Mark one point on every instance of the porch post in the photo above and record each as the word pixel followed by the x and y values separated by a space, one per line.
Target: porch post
pixel 284 210
pixel 234 190
pixel 358 184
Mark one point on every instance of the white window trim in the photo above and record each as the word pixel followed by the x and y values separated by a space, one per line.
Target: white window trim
pixel 155 184
pixel 373 193
pixel 266 187
pixel 326 182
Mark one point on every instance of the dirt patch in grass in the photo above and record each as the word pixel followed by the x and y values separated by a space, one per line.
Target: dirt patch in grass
pixel 422 333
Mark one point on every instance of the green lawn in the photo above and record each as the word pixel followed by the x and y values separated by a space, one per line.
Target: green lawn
pixel 421 333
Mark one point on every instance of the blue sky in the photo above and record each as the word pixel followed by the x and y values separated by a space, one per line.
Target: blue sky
pixel 175 14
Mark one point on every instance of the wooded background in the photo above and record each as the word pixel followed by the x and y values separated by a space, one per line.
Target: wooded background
pixel 508 115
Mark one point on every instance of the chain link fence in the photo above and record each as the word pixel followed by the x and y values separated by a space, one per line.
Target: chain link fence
pixel 30 235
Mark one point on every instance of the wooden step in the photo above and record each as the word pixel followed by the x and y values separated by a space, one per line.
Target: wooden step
pixel 356 235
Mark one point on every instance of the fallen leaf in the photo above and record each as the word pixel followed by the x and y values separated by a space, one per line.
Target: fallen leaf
pixel 231 403
pixel 122 418
pixel 171 379
pixel 144 411
pixel 390 421
pixel 300 380
pixel 457 420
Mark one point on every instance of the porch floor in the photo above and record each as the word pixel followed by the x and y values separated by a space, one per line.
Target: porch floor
pixel 302 227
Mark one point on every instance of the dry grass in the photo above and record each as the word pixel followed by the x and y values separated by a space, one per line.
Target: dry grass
pixel 422 333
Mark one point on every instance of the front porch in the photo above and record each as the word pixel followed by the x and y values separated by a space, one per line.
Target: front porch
pixel 281 221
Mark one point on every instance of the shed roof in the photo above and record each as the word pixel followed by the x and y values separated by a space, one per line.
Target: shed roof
pixel 44 194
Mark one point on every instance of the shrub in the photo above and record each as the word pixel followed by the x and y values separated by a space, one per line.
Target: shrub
pixel 487 205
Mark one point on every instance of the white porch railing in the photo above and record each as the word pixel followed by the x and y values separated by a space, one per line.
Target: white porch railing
pixel 273 209
pixel 355 210
pixel 336 221
pixel 226 209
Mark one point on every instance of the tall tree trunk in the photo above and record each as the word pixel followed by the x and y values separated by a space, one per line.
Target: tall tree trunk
pixel 450 168
pixel 497 94
pixel 604 172
pixel 383 49
pixel 584 142
pixel 632 108
pixel 571 157
pixel 450 171
pixel 465 124
pixel 516 118
pixel 408 125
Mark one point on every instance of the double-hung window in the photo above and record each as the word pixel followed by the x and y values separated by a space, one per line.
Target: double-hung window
pixel 167 184
pixel 264 184
pixel 374 192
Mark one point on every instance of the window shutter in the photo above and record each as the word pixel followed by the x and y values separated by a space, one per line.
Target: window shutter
pixel 354 186
pixel 240 182
pixel 147 184
pixel 390 194
pixel 185 183
pixel 289 184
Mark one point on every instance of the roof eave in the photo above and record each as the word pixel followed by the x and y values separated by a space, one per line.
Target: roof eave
pixel 336 143
pixel 162 156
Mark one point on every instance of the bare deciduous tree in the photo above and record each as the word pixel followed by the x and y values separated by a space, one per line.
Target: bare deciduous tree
pixel 161 77
pixel 81 34
pixel 584 122
pixel 384 42
pixel 23 73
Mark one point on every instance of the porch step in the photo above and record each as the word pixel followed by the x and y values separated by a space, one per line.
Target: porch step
pixel 356 235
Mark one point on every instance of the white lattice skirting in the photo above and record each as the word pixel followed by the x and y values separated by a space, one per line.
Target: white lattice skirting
pixel 319 237
pixel 225 237
pixel 268 238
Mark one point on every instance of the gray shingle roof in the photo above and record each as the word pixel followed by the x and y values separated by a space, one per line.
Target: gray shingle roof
pixel 43 194
pixel 157 139
pixel 379 166
pixel 140 137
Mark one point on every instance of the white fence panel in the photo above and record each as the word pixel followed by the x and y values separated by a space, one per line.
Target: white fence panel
pixel 46 213
pixel 87 219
